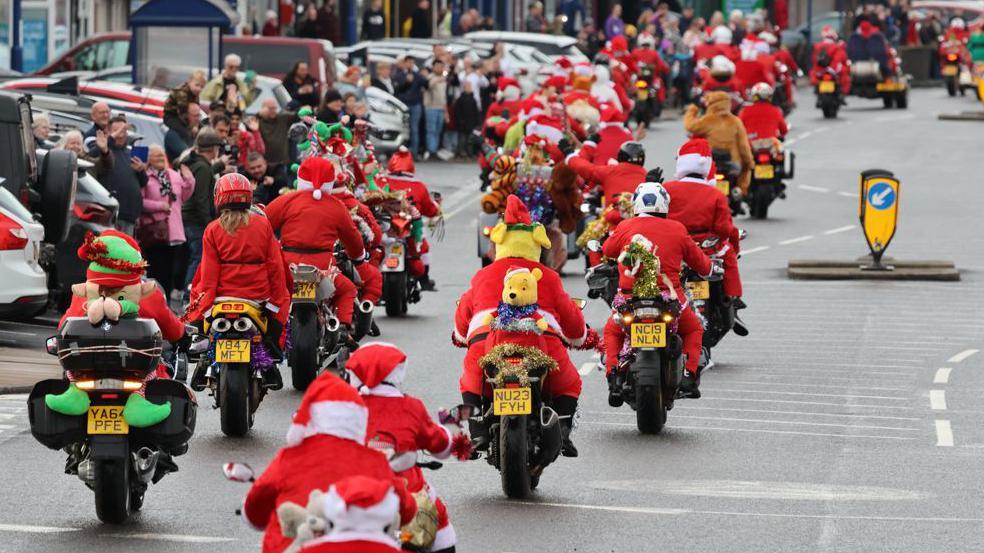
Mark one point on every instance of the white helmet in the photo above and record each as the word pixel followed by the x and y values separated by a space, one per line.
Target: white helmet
pixel 646 40
pixel 762 91
pixel 957 23
pixel 721 35
pixel 722 66
pixel 768 38
pixel 651 198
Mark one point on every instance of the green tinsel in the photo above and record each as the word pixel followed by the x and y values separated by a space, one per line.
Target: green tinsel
pixel 646 283
pixel 534 361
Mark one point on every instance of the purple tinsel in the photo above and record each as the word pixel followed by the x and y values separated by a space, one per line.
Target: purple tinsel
pixel 507 314
pixel 260 357
pixel 537 201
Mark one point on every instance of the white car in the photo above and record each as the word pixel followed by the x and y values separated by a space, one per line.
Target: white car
pixel 552 45
pixel 24 293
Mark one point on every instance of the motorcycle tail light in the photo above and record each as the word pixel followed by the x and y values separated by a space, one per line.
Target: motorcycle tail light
pixel 951 57
pixel 828 77
pixel 132 384
pixel 667 317
pixel 627 318
pixel 641 84
pixel 392 262
pixel 763 157
pixel 85 384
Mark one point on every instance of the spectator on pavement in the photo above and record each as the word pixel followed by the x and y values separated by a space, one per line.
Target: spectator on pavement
pixel 467 118
pixel 573 13
pixel 228 87
pixel 614 26
pixel 221 124
pixel 180 137
pixel 197 211
pixel 332 107
pixel 301 85
pixel 409 89
pixel 266 183
pixel 466 24
pixel 444 24
pixel 246 137
pixel 307 26
pixel 435 100
pixel 270 25
pixel 99 114
pixel 126 176
pixel 374 22
pixel 41 128
pixel 420 20
pixel 351 81
pixel 161 229
pixel 274 125
pixel 383 79
pixel 187 93
pixel 99 155
pixel 535 22
pixel 328 27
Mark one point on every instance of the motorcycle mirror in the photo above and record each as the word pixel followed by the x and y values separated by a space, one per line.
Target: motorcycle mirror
pixel 238 472
pixel 594 246
pixel 742 234
pixel 579 302
pixel 462 412
pixel 437 196
pixel 51 345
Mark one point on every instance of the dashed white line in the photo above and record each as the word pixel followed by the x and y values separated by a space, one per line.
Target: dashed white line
pixel 937 400
pixel 586 367
pixel 942 375
pixel 944 434
pixel 180 538
pixel 851 195
pixel 759 431
pixel 817 189
pixel 797 239
pixel 6 427
pixel 753 250
pixel 962 355
pixel 34 529
pixel 838 230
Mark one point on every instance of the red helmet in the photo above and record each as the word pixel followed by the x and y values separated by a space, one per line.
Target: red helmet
pixel 401 162
pixel 233 191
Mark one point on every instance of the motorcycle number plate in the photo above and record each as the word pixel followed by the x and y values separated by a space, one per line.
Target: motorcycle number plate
pixel 950 70
pixel 643 95
pixel 827 87
pixel 765 172
pixel 699 289
pixel 107 419
pixel 232 351
pixel 887 87
pixel 648 335
pixel 305 290
pixel 512 401
pixel 723 186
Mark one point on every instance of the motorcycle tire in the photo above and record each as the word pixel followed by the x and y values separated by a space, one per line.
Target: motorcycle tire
pixel 514 468
pixel 902 100
pixel 888 100
pixel 830 111
pixel 951 87
pixel 650 410
pixel 303 355
pixel 111 488
pixel 235 415
pixel 760 206
pixel 395 293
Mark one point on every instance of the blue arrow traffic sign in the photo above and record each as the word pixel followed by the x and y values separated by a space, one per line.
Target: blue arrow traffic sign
pixel 881 196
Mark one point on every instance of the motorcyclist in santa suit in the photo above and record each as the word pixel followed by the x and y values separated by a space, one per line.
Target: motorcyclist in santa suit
pixel 673 245
pixel 614 179
pixel 763 119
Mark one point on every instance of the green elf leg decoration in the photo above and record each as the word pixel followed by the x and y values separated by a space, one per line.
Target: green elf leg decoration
pixel 417 231
pixel 141 413
pixel 72 402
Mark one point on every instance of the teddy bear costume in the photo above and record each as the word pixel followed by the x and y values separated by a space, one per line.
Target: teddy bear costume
pixel 362 512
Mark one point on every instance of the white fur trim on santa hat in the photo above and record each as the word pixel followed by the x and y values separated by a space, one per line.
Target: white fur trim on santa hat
pixel 304 184
pixel 692 163
pixel 350 518
pixel 513 272
pixel 575 153
pixel 591 143
pixel 550 132
pixel 342 419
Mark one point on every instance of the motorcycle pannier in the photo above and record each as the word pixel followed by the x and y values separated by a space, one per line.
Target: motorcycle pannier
pixel 180 425
pixel 128 348
pixel 52 429
pixel 867 70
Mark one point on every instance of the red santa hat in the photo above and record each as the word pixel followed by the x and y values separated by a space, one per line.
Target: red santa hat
pixel 509 87
pixel 317 174
pixel 401 161
pixel 558 82
pixel 712 175
pixel 340 183
pixel 694 157
pixel 516 212
pixel 583 69
pixel 610 116
pixel 376 364
pixel 619 44
pixel 513 271
pixel 530 107
pixel 361 508
pixel 549 128
pixel 331 407
pixel 564 63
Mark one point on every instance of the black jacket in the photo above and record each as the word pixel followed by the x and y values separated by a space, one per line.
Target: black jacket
pixel 373 25
pixel 467 116
pixel 198 210
pixel 420 24
pixel 124 183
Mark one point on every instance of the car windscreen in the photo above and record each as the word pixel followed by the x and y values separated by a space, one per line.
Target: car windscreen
pixel 267 59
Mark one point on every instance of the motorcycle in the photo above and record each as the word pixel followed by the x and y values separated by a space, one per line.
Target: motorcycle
pixel 706 294
pixel 785 84
pixel 400 287
pixel 314 329
pixel 954 67
pixel 829 94
pixel 726 179
pixel 767 175
pixel 868 81
pixel 236 359
pixel 648 105
pixel 110 361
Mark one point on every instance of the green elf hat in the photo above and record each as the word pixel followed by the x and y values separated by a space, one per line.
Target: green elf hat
pixel 114 259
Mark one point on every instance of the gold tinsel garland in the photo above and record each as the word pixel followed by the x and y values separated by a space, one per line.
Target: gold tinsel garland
pixel 534 361
pixel 646 284
pixel 597 229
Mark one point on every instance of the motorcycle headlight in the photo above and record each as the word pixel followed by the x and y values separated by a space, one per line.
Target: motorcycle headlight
pixel 221 325
pixel 242 325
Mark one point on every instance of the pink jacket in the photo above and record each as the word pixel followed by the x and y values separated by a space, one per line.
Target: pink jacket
pixel 155 206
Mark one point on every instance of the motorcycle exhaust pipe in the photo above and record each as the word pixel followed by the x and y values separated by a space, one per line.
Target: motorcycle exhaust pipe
pixel 145 462
pixel 551 438
pixel 363 318
pixel 332 324
pixel 87 471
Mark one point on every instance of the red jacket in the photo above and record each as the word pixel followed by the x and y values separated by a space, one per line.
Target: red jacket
pixel 701 208
pixel 153 306
pixel 751 72
pixel 708 51
pixel 316 463
pixel 614 179
pixel 247 264
pixel 363 211
pixel 358 544
pixel 674 247
pixel 314 225
pixel 417 193
pixel 611 137
pixel 405 419
pixel 649 56
pixel 763 120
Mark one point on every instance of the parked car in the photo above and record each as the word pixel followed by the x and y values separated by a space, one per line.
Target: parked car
pixel 553 46
pixel 24 293
pixel 146 100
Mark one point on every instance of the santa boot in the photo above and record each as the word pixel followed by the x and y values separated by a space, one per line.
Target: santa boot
pixel 141 413
pixel 477 430
pixel 566 407
pixel 72 402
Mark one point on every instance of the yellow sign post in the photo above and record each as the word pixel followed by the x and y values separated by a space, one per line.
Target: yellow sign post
pixel 878 211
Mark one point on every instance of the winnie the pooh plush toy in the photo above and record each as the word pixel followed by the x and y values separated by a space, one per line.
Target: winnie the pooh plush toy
pixel 517 319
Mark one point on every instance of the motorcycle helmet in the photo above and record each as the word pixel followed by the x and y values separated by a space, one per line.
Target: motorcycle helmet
pixel 602 59
pixel 958 23
pixel 721 66
pixel 762 92
pixel 721 35
pixel 651 198
pixel 646 40
pixel 632 152
pixel 233 191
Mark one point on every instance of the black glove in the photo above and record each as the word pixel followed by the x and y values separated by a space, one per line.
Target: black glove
pixel 565 147
pixel 655 175
pixel 184 344
pixel 594 137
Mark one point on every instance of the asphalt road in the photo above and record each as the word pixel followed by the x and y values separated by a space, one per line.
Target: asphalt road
pixel 847 421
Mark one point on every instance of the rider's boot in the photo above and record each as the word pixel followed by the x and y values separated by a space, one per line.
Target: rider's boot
pixel 477 430
pixel 689 385
pixel 426 283
pixel 272 379
pixel 614 390
pixel 566 407
pixel 198 381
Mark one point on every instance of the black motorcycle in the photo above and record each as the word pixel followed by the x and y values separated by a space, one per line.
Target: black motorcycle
pixel 647 105
pixel 772 166
pixel 314 329
pixel 726 179
pixel 110 361
pixel 716 311
pixel 829 94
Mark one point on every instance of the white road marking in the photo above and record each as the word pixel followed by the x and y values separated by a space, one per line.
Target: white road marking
pixel 944 434
pixel 803 423
pixel 753 250
pixel 586 367
pixel 942 375
pixel 639 510
pixel 817 189
pixel 172 538
pixel 851 405
pixel 772 382
pixel 890 398
pixel 839 229
pixel 4 416
pixel 6 427
pixel 715 428
pixel 937 400
pixel 962 355
pixel 807 413
pixel 17 332
pixel 851 195
pixel 34 529
pixel 797 239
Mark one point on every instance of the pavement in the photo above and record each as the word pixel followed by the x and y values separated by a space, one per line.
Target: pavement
pixel 847 421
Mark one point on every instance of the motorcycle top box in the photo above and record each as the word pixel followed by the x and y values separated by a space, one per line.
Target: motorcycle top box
pixel 129 347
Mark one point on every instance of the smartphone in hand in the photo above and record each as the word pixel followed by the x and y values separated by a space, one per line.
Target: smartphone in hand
pixel 140 152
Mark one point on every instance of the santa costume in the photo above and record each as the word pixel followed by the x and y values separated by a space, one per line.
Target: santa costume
pixel 401 422
pixel 611 135
pixel 371 287
pixel 401 178
pixel 325 443
pixel 361 513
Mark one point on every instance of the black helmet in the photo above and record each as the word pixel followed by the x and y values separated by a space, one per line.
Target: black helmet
pixel 602 59
pixel 632 152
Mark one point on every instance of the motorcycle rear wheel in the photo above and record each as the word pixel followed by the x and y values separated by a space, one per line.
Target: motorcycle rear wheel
pixel 650 410
pixel 514 468
pixel 112 490
pixel 303 355
pixel 235 414
pixel 395 293
pixel 760 206
pixel 951 86
pixel 830 110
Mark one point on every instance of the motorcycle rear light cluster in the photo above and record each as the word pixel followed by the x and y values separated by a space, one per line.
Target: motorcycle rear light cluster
pixel 951 57
pixel 764 157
